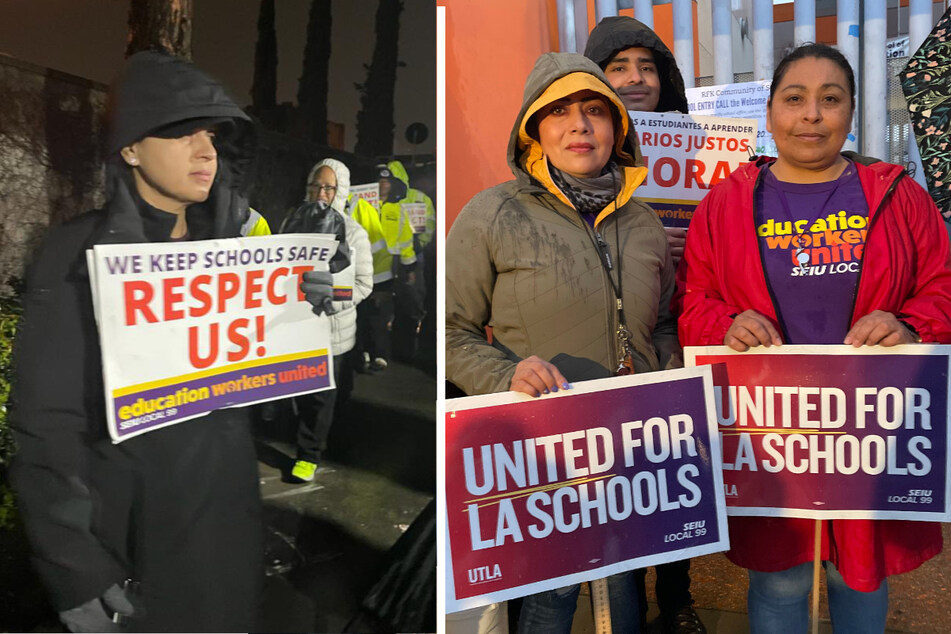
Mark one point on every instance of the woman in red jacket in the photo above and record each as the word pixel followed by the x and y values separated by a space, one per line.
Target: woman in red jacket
pixel 753 275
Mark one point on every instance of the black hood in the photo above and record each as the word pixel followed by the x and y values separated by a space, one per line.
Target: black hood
pixel 153 91
pixel 398 188
pixel 617 33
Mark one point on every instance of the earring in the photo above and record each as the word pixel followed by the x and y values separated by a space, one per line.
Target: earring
pixel 133 161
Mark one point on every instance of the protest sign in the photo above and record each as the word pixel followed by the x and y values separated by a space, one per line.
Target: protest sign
pixel 416 212
pixel 746 100
pixel 608 476
pixel 190 327
pixel 369 192
pixel 685 156
pixel 832 432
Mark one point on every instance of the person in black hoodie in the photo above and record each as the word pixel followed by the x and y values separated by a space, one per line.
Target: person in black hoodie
pixel 644 72
pixel 162 532
pixel 642 69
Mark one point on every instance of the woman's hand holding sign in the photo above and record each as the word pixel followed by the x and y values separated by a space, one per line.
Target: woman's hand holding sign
pixel 751 329
pixel 535 376
pixel 879 328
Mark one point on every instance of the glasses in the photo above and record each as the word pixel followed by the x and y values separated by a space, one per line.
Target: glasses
pixel 327 189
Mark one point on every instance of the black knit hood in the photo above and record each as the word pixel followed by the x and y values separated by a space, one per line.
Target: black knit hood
pixel 614 34
pixel 155 90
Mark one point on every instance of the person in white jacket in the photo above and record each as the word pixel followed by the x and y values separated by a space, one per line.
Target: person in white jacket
pixel 329 183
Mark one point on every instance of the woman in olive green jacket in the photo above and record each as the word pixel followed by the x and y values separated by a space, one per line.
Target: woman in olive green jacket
pixel 571 272
pixel 524 260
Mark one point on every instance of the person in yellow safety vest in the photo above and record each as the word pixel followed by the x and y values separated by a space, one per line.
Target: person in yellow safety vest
pixel 367 217
pixel 416 196
pixel 397 231
pixel 410 301
pixel 396 262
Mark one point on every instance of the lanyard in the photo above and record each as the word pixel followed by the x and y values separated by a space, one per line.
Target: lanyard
pixel 623 335
pixel 625 352
pixel 800 241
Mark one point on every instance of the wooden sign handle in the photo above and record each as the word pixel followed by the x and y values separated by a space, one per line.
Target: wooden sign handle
pixel 601 606
pixel 816 565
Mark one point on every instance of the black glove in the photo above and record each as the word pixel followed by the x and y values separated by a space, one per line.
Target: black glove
pixel 318 288
pixel 96 615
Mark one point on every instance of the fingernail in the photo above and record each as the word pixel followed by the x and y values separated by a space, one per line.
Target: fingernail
pixel 546 391
pixel 565 385
pixel 554 388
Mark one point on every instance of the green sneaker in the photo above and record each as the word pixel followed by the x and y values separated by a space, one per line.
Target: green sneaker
pixel 304 471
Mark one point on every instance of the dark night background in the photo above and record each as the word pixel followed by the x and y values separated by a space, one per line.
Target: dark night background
pixel 88 37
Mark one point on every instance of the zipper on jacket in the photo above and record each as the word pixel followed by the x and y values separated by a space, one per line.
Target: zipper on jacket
pixel 878 210
pixel 614 323
pixel 604 254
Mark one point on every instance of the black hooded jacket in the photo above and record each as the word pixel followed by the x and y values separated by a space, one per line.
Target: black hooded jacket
pixel 614 34
pixel 177 509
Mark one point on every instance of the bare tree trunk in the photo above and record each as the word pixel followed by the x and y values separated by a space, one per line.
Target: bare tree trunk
pixel 313 85
pixel 264 88
pixel 160 24
pixel 375 119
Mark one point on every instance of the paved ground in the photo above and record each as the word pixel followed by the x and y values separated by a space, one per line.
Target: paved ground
pixel 918 601
pixel 325 540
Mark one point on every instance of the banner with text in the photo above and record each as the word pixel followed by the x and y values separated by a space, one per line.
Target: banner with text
pixel 685 156
pixel 746 100
pixel 369 192
pixel 416 213
pixel 190 327
pixel 832 432
pixel 608 476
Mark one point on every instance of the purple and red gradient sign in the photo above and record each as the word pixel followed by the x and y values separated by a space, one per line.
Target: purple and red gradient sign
pixel 833 431
pixel 608 476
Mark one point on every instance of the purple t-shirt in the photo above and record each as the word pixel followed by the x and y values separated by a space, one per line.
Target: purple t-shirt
pixel 812 259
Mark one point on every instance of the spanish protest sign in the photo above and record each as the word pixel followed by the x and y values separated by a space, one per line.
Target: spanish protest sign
pixel 685 156
pixel 369 192
pixel 746 100
pixel 610 475
pixel 833 432
pixel 190 327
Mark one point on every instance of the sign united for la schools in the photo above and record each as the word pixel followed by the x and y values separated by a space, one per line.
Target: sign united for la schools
pixel 685 156
pixel 608 476
pixel 833 431
pixel 190 327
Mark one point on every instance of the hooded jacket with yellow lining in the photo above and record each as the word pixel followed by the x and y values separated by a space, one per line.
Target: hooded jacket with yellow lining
pixel 521 259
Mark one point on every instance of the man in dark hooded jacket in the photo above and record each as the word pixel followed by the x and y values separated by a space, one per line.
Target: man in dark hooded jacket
pixel 642 69
pixel 162 531
pixel 644 72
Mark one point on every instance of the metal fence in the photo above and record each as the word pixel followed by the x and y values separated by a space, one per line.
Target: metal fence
pixel 861 29
pixel 899 123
